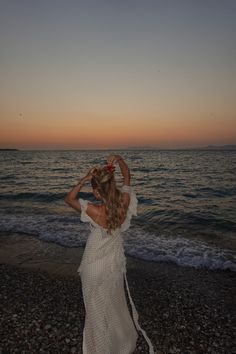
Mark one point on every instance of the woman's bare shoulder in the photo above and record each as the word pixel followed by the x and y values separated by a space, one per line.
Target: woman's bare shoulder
pixel 93 210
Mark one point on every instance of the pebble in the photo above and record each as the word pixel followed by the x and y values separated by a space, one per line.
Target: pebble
pixel 190 313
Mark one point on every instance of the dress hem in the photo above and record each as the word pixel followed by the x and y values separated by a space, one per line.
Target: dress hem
pixel 135 318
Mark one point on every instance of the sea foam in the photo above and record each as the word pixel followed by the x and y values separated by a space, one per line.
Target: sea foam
pixel 68 231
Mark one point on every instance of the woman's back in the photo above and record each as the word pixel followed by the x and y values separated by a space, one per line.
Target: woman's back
pixel 101 219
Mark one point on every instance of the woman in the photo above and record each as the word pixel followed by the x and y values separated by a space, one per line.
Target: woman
pixel 108 328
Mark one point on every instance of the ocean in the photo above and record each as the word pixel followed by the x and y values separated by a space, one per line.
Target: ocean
pixel 186 201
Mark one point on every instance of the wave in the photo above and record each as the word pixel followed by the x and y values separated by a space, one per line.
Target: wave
pixel 7 177
pixel 214 192
pixel 37 197
pixel 174 219
pixel 68 231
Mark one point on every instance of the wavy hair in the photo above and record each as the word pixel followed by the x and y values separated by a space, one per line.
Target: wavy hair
pixel 103 180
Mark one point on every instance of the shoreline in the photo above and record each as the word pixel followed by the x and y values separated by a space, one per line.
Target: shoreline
pixel 182 309
pixel 28 251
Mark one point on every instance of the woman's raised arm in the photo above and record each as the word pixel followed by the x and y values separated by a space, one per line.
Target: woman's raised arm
pixel 72 195
pixel 123 167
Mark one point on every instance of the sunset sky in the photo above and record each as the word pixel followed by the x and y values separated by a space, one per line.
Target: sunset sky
pixel 117 73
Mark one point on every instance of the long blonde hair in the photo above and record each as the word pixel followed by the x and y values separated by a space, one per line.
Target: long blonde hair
pixel 104 181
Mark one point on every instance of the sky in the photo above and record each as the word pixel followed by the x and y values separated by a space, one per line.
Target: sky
pixel 109 74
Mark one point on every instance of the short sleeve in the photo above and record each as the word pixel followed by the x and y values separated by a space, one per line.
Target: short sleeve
pixel 133 199
pixel 126 189
pixel 133 204
pixel 84 216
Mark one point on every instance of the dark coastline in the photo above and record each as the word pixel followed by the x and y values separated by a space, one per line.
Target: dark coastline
pixel 226 147
pixel 183 310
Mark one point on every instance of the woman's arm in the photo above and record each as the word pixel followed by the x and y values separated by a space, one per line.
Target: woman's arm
pixel 123 167
pixel 71 197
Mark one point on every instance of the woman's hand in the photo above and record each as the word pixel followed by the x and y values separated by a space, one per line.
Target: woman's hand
pixel 88 176
pixel 113 159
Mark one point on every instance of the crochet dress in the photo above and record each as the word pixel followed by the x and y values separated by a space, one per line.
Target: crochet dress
pixel 108 327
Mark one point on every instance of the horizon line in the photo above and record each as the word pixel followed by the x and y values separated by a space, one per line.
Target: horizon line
pixel 131 148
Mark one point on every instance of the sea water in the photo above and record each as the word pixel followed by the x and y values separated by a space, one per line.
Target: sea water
pixel 186 201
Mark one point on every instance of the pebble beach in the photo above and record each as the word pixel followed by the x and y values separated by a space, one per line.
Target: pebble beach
pixel 182 309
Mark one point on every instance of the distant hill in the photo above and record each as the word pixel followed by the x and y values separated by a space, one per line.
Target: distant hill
pixel 208 147
pixel 218 147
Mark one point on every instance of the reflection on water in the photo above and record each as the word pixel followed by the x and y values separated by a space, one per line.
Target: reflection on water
pixel 190 194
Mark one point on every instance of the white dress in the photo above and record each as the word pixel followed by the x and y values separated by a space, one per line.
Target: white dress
pixel 108 327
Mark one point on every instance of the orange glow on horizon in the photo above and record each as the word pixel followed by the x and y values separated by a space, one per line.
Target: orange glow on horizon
pixel 105 134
